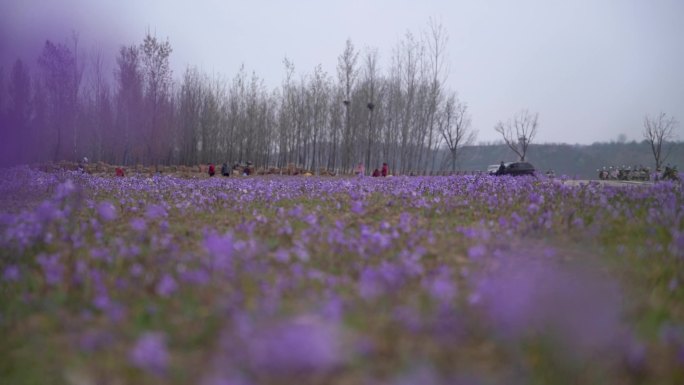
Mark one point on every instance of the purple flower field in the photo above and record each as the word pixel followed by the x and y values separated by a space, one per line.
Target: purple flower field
pixel 294 280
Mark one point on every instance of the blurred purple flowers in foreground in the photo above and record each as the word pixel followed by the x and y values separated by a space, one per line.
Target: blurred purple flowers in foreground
pixel 150 353
pixel 303 344
pixel 524 298
pixel 107 211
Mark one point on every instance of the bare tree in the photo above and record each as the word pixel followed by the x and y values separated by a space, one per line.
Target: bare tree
pixel 406 59
pixel 519 132
pixel 78 70
pixel 39 120
pixel 157 84
pixel 454 125
pixel 347 73
pixel 289 120
pixel 436 40
pixel 60 70
pixel 100 115
pixel 318 107
pixel 19 112
pixel 658 131
pixel 189 114
pixel 2 91
pixel 4 123
pixel 129 97
pixel 370 78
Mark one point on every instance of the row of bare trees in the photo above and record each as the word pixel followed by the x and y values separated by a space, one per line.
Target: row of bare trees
pixel 68 106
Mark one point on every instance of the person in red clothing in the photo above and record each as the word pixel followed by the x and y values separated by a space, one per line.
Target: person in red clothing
pixel 385 169
pixel 212 169
pixel 376 173
pixel 359 170
pixel 120 172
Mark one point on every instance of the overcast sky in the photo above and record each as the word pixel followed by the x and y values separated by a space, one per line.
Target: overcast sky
pixel 591 68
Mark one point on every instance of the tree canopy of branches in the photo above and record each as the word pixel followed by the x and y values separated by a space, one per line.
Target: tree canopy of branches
pixel 454 126
pixel 400 114
pixel 658 130
pixel 61 80
pixel 519 132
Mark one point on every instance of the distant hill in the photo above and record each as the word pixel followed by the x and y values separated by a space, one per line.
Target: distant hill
pixel 581 161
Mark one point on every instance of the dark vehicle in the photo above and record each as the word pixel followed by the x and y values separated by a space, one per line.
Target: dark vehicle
pixel 517 168
pixel 492 168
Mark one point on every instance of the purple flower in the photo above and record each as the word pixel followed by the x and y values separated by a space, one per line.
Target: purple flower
pixel 92 340
pixel 47 212
pixel 369 284
pixel 420 375
pixel 155 212
pixel 677 244
pixel 138 224
pixel 477 252
pixel 65 189
pixel 229 379
pixel 107 211
pixel 102 301
pixel 136 270
pixel 574 307
pixel 408 317
pixel 282 255
pixel 53 270
pixel 149 353
pixel 391 274
pixel 221 248
pixel 333 309
pixel 166 286
pixel 299 345
pixel 635 354
pixel 441 287
pixel 533 208
pixel 673 284
pixel 357 207
pixel 11 273
pixel 198 277
pixel 671 334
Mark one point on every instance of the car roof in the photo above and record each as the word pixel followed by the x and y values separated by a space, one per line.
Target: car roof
pixel 522 165
pixel 506 164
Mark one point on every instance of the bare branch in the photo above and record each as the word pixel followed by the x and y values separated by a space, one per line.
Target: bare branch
pixel 454 125
pixel 519 132
pixel 658 131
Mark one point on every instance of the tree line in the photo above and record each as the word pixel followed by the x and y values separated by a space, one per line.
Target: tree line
pixel 66 106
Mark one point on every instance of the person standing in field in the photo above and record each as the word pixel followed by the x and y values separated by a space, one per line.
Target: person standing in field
pixel 212 169
pixel 385 169
pixel 376 173
pixel 359 171
pixel 502 169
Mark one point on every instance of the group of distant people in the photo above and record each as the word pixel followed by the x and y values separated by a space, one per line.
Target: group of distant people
pixel 383 171
pixel 83 163
pixel 226 170
pixel 247 170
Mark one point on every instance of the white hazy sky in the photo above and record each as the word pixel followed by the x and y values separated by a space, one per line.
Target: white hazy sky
pixel 591 68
